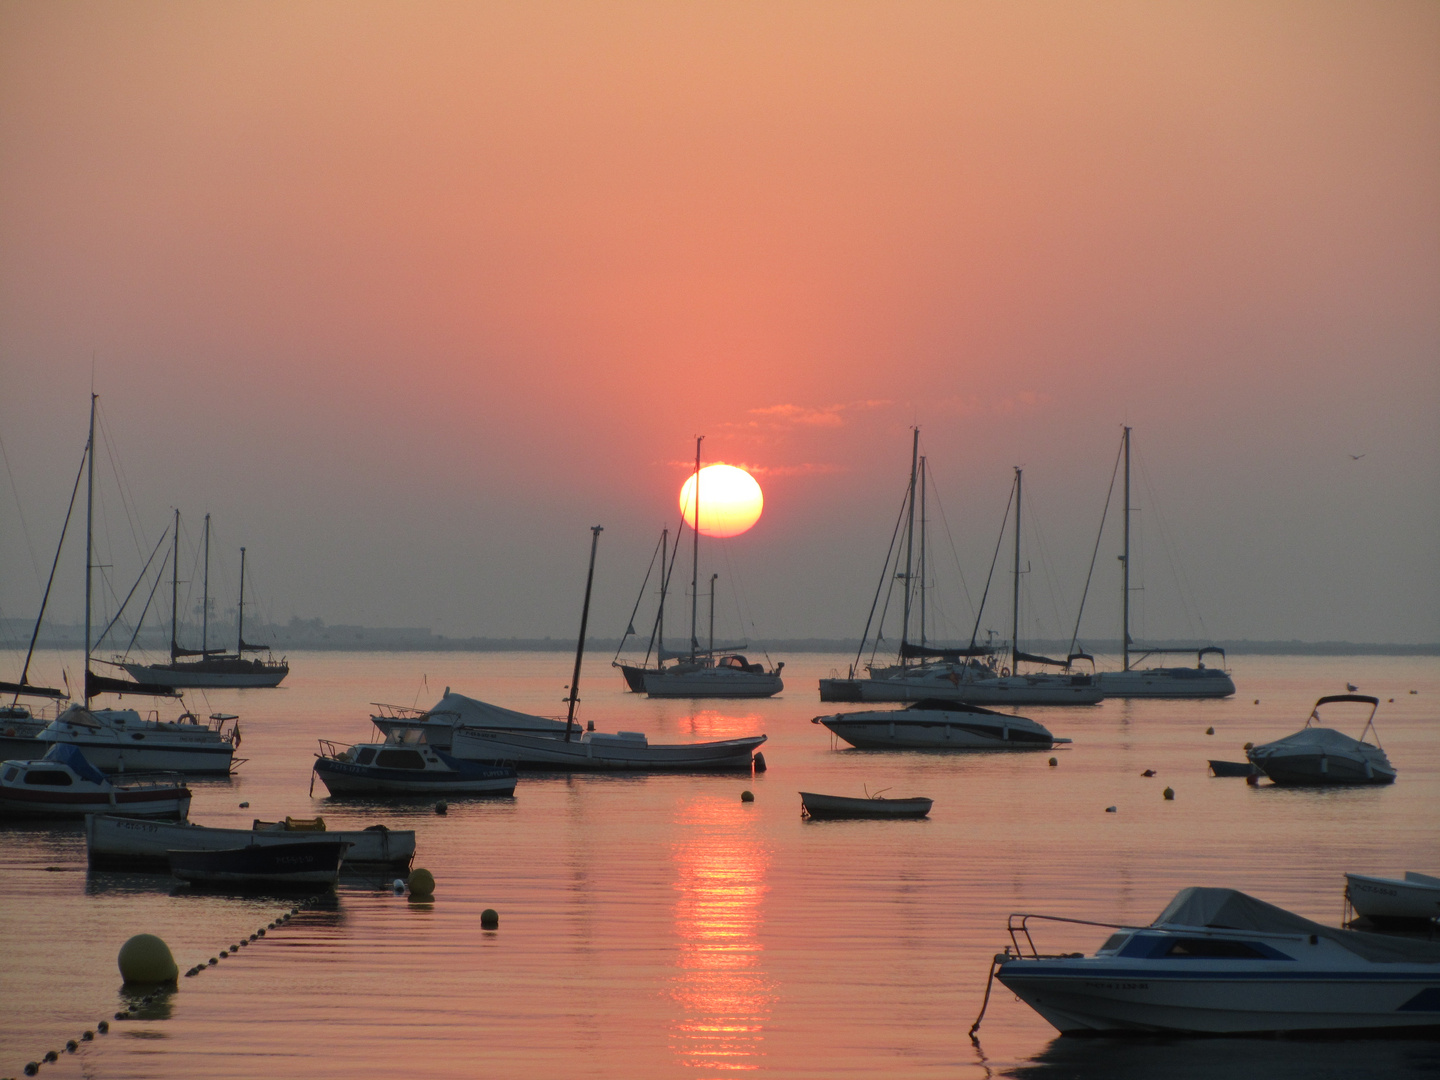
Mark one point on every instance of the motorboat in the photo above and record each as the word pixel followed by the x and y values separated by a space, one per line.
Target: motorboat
pixel 1161 680
pixel 1220 962
pixel 595 751
pixel 818 807
pixel 730 676
pixel 437 724
pixel 307 864
pixel 1413 899
pixel 64 784
pixel 1233 768
pixel 207 667
pixel 119 740
pixel 126 843
pixel 1316 756
pixel 939 724
pixel 395 768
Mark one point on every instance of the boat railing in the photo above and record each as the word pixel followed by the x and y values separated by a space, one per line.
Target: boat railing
pixel 399 712
pixel 1018 927
pixel 330 748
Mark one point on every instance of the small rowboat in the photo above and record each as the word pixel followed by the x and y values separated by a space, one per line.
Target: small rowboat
pixel 311 863
pixel 1234 768
pixel 873 806
pixel 1415 899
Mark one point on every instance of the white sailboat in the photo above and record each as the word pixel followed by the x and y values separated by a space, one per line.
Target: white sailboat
pixel 700 673
pixel 1162 681
pixel 119 740
pixel 211 668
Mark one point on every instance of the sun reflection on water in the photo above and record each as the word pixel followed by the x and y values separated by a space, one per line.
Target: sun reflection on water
pixel 720 980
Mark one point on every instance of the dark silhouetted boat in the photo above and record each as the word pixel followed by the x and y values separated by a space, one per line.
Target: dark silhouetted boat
pixel 872 806
pixel 314 862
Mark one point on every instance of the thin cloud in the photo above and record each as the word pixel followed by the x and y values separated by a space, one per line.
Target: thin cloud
pixel 806 416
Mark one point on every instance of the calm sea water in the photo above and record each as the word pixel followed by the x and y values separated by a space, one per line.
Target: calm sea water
pixel 658 926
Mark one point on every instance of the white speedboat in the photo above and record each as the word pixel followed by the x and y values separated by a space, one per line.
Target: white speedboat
pixel 594 751
pixel 1416 898
pixel 64 784
pixel 939 725
pixel 1220 962
pixel 396 768
pixel 1317 756
pixel 118 740
pixel 438 723
pixel 125 843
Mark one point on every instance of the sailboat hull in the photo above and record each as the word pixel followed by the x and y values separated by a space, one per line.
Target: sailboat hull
pixel 1010 690
pixel 210 674
pixel 590 754
pixel 714 682
pixel 1173 682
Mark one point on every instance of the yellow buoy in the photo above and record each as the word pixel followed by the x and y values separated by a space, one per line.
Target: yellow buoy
pixel 146 959
pixel 747 796
pixel 422 882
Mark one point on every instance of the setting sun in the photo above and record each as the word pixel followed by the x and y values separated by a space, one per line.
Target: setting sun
pixel 730 500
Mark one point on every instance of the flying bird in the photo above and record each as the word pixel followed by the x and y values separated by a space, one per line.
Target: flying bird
pixel 1356 457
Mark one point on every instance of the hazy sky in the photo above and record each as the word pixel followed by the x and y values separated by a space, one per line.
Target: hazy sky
pixel 409 295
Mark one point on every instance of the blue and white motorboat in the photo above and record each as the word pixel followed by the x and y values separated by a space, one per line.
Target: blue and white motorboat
pixel 398 767
pixel 64 784
pixel 1217 961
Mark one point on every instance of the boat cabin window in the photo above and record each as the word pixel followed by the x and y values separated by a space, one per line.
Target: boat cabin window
pixel 365 757
pixel 1113 942
pixel 1214 949
pixel 48 777
pixel 400 759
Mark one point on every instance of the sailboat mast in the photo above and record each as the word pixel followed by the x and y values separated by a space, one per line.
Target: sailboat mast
pixel 205 601
pixel 712 613
pixel 89 538
pixel 664 585
pixel 922 551
pixel 574 699
pixel 240 620
pixel 1125 567
pixel 695 563
pixel 1015 600
pixel 910 543
pixel 175 590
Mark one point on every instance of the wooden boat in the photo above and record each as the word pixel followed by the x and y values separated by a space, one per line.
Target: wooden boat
pixel 64 784
pixel 391 768
pixel 313 862
pixel 1234 768
pixel 126 843
pixel 872 806
pixel 1416 899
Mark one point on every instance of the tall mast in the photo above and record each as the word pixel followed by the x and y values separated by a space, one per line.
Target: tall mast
pixel 175 590
pixel 922 551
pixel 574 699
pixel 240 621
pixel 695 564
pixel 205 601
pixel 910 543
pixel 1015 601
pixel 660 615
pixel 1125 567
pixel 712 613
pixel 89 538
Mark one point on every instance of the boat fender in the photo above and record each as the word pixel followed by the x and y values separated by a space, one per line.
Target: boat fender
pixel 186 718
pixel 1168 794
pixel 398 885
pixel 421 882
pixel 489 919
pixel 759 762
pixel 146 958
pixel 747 796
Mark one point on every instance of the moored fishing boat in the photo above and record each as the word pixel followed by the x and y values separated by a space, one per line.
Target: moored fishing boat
pixel 939 725
pixel 393 768
pixel 125 843
pixel 1217 962
pixel 64 784
pixel 311 863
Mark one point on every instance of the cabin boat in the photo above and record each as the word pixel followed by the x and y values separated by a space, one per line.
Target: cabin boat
pixel 64 784
pixel 594 751
pixel 397 768
pixel 937 724
pixel 818 807
pixel 437 724
pixel 1321 756
pixel 118 740
pixel 307 864
pixel 1219 962
pixel 1415 899
pixel 125 843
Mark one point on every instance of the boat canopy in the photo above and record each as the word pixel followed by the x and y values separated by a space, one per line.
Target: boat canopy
pixel 1230 909
pixel 1323 739
pixel 470 712
pixel 24 689
pixel 911 651
pixel 69 754
pixel 103 684
pixel 1033 658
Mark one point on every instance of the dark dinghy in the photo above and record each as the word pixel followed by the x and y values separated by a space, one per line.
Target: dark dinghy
pixel 1234 768
pixel 843 806
pixel 258 865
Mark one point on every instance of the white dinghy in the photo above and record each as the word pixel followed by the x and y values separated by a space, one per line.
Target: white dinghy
pixel 1414 899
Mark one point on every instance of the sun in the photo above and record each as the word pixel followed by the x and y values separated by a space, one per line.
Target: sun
pixel 730 500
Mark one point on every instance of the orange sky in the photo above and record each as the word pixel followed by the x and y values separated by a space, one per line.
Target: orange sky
pixel 409 295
